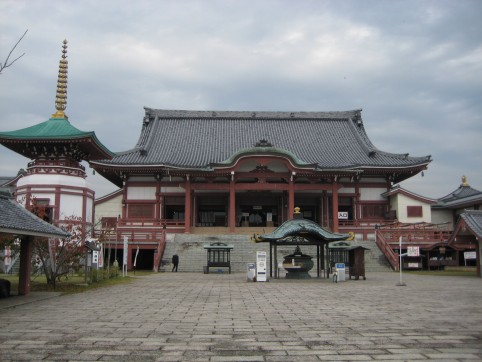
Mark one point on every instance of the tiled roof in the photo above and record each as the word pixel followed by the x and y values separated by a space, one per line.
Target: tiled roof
pixel 464 195
pixel 58 131
pixel 473 219
pixel 15 219
pixel 199 139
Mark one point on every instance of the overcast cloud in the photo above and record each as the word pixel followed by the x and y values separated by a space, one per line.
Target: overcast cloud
pixel 414 67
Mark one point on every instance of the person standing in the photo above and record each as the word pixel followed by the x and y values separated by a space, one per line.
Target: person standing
pixel 175 262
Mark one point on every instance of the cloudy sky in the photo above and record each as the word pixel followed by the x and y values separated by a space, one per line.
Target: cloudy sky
pixel 414 67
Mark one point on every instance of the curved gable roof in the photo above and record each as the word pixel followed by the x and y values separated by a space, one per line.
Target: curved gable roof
pixel 200 139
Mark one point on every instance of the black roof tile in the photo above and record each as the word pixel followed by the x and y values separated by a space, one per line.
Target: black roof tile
pixel 198 139
pixel 16 219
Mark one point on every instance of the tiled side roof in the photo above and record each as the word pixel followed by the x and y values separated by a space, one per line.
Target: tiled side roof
pixel 473 219
pixel 16 219
pixel 464 195
pixel 461 193
pixel 198 139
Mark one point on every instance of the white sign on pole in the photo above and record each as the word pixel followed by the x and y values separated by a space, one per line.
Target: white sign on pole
pixel 470 255
pixel 413 251
pixel 95 257
pixel 8 258
pixel 126 250
pixel 135 259
pixel 101 256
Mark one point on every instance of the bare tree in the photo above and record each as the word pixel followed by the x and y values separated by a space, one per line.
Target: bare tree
pixel 7 63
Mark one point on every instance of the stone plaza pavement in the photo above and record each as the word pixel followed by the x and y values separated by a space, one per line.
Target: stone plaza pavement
pixel 222 317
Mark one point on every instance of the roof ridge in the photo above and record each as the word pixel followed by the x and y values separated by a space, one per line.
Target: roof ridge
pixel 167 113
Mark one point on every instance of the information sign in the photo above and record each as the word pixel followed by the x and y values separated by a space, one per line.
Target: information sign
pixel 413 251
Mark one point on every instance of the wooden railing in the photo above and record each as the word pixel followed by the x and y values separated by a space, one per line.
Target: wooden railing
pixel 387 250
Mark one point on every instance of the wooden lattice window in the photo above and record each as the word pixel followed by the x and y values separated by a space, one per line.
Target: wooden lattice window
pixel 414 211
pixel 141 211
pixel 373 211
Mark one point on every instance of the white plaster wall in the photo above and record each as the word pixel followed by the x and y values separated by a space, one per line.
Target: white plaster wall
pixel 372 194
pixel 149 178
pixel 109 208
pixel 141 193
pixel 47 195
pixel 172 189
pixel 346 190
pixel 442 216
pixel 89 207
pixel 70 205
pixel 404 201
pixel 53 180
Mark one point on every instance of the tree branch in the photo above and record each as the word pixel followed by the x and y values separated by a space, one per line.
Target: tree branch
pixel 7 63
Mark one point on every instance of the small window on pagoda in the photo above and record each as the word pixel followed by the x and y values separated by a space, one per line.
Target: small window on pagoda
pixel 141 211
pixel 41 208
pixel 414 211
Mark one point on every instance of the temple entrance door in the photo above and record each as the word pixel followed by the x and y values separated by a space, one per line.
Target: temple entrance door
pixel 260 209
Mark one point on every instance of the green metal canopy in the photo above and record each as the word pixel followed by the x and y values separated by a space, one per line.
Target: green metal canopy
pixel 299 227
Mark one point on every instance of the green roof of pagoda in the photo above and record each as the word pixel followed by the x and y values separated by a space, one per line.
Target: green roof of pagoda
pixel 55 131
pixel 54 128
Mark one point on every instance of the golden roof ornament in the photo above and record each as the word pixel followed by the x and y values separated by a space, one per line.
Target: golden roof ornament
pixel 61 96
pixel 464 181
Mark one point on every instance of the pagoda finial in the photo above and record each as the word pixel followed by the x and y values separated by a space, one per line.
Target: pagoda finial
pixel 464 181
pixel 61 96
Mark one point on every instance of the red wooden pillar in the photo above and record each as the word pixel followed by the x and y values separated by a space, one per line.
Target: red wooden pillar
pixel 335 206
pixel 356 199
pixel 187 207
pixel 124 200
pixel 291 198
pixel 25 265
pixel 232 206
pixel 158 199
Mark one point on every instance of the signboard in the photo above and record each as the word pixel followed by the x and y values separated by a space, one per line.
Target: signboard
pixel 470 255
pixel 413 265
pixel 95 257
pixel 343 215
pixel 257 207
pixel 413 251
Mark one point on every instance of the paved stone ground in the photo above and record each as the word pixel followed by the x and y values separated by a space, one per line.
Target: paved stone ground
pixel 221 317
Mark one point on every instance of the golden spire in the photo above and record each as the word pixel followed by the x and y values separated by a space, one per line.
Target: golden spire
pixel 61 96
pixel 464 181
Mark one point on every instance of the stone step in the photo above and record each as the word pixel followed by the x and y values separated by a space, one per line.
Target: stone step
pixel 193 256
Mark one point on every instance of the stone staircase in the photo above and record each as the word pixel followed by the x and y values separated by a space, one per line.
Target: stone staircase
pixel 193 257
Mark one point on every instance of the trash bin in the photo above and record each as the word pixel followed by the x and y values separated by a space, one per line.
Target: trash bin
pixel 340 269
pixel 251 272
